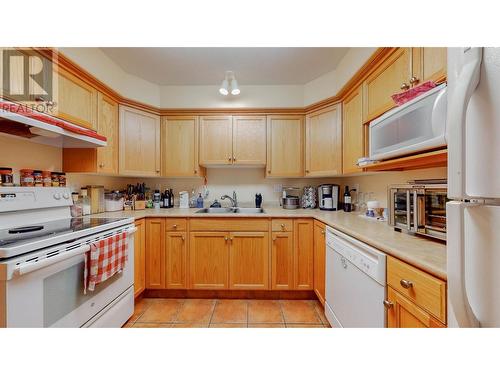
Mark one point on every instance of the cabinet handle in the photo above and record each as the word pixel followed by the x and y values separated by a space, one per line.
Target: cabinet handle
pixel 388 304
pixel 322 232
pixel 282 227
pixel 404 86
pixel 229 158
pixel 407 284
pixel 274 238
pixel 195 171
pixel 269 171
pixel 231 239
pixel 234 159
pixel 157 171
pixel 174 226
pixel 101 165
pixel 307 170
pixel 414 80
pixel 225 238
pixel 183 238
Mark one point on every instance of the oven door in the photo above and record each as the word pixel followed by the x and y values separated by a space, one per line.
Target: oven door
pixel 50 293
pixel 402 208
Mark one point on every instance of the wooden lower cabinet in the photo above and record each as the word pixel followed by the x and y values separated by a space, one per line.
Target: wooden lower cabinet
pixel 303 262
pixel 176 260
pixel 139 257
pixel 319 260
pixel 282 261
pixel 155 253
pixel 209 260
pixel 402 313
pixel 249 260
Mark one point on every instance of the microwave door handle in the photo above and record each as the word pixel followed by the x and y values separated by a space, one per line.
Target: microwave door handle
pixel 408 210
pixel 416 208
pixel 26 268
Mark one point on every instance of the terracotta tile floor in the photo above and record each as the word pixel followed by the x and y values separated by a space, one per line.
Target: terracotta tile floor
pixel 226 313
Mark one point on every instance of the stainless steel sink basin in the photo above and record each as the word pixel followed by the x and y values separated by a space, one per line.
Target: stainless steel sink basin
pixel 227 210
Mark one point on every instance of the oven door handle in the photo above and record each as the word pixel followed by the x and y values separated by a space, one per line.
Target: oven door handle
pixel 26 268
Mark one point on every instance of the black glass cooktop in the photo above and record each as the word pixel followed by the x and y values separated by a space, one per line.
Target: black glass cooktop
pixel 21 234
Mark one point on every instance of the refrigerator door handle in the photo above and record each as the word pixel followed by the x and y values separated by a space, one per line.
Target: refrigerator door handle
pixel 457 291
pixel 465 85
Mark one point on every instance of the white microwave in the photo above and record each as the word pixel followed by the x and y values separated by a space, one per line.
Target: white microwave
pixel 415 126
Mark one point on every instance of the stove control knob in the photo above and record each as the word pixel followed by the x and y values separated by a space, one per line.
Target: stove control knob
pixel 66 196
pixel 57 196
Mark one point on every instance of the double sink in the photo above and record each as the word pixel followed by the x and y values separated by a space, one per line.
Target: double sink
pixel 228 210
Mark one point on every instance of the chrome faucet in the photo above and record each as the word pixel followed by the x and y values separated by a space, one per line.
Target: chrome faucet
pixel 234 199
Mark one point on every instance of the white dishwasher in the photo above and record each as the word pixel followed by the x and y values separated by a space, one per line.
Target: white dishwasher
pixel 355 282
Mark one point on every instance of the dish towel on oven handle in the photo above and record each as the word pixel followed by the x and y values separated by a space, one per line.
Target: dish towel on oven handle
pixel 105 258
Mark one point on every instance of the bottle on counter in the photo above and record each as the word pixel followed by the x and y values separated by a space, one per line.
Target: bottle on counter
pixel 347 200
pixel 258 200
pixel 171 205
pixel 166 199
pixel 156 199
pixel 192 200
pixel 199 201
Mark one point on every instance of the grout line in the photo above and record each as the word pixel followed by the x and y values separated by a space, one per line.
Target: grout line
pixel 316 312
pixel 213 312
pixel 282 313
pixel 174 319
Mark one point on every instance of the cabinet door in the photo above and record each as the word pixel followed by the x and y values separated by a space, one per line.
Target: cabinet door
pixel 76 100
pixel 139 257
pixel 176 260
pixel 249 140
pixel 155 253
pixel 404 314
pixel 179 144
pixel 353 134
pixel 285 146
pixel 209 260
pixel 139 143
pixel 107 125
pixel 282 261
pixel 303 254
pixel 249 260
pixel 319 260
pixel 216 145
pixel 429 64
pixel 324 142
pixel 385 81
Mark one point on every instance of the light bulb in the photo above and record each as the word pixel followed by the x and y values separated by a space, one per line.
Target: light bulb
pixel 235 90
pixel 224 88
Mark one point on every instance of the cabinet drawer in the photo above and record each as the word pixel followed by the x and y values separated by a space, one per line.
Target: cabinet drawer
pixel 176 224
pixel 229 225
pixel 425 290
pixel 282 225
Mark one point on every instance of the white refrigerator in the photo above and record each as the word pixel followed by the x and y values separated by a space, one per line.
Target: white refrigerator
pixel 473 212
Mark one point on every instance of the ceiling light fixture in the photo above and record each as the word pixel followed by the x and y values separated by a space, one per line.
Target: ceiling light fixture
pixel 229 81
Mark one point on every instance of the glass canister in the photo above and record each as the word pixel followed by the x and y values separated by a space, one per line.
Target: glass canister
pixel 46 178
pixel 38 178
pixel 6 176
pixel 62 179
pixel 27 178
pixel 55 179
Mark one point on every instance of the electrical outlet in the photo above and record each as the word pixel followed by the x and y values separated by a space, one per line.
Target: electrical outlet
pixel 277 188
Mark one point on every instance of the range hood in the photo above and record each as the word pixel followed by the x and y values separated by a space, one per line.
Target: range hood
pixel 22 121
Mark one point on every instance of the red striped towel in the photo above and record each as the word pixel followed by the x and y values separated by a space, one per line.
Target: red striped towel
pixel 105 258
pixel 403 97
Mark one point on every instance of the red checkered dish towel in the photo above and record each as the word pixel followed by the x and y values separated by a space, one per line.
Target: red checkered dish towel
pixel 105 258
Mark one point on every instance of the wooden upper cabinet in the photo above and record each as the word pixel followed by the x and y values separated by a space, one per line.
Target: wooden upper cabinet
pixel 353 131
pixel 391 77
pixel 76 100
pixel 139 257
pixel 216 144
pixel 139 142
pixel 176 260
pixel 319 260
pixel 429 64
pixel 285 146
pixel 179 146
pixel 155 253
pixel 303 254
pixel 209 260
pixel 324 142
pixel 249 140
pixel 249 260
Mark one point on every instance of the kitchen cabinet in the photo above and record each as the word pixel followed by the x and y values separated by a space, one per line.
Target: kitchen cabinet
pixel 139 143
pixel 402 313
pixel 285 146
pixel 139 257
pixel 428 64
pixel 238 140
pixel 179 146
pixel 209 260
pixel 319 260
pixel 216 143
pixel 391 77
pixel 176 260
pixel 303 243
pixel 249 260
pixel 76 100
pixel 100 159
pixel 155 253
pixel 353 143
pixel 282 261
pixel 323 146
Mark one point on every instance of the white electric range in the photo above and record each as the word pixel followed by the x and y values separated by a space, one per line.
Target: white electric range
pixel 42 257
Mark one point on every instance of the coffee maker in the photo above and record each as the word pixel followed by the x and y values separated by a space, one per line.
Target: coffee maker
pixel 328 197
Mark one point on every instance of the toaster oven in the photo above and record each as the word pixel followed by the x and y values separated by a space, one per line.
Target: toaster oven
pixel 419 208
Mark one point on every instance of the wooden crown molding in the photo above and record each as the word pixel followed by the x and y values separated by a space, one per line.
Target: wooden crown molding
pixel 67 64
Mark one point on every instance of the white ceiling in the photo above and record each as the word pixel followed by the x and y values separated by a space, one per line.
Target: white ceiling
pixel 206 66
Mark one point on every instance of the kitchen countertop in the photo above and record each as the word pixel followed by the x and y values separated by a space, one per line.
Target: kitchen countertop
pixel 420 252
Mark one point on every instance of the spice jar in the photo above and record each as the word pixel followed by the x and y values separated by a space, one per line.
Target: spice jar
pixel 6 177
pixel 27 178
pixel 46 178
pixel 62 179
pixel 55 179
pixel 38 179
